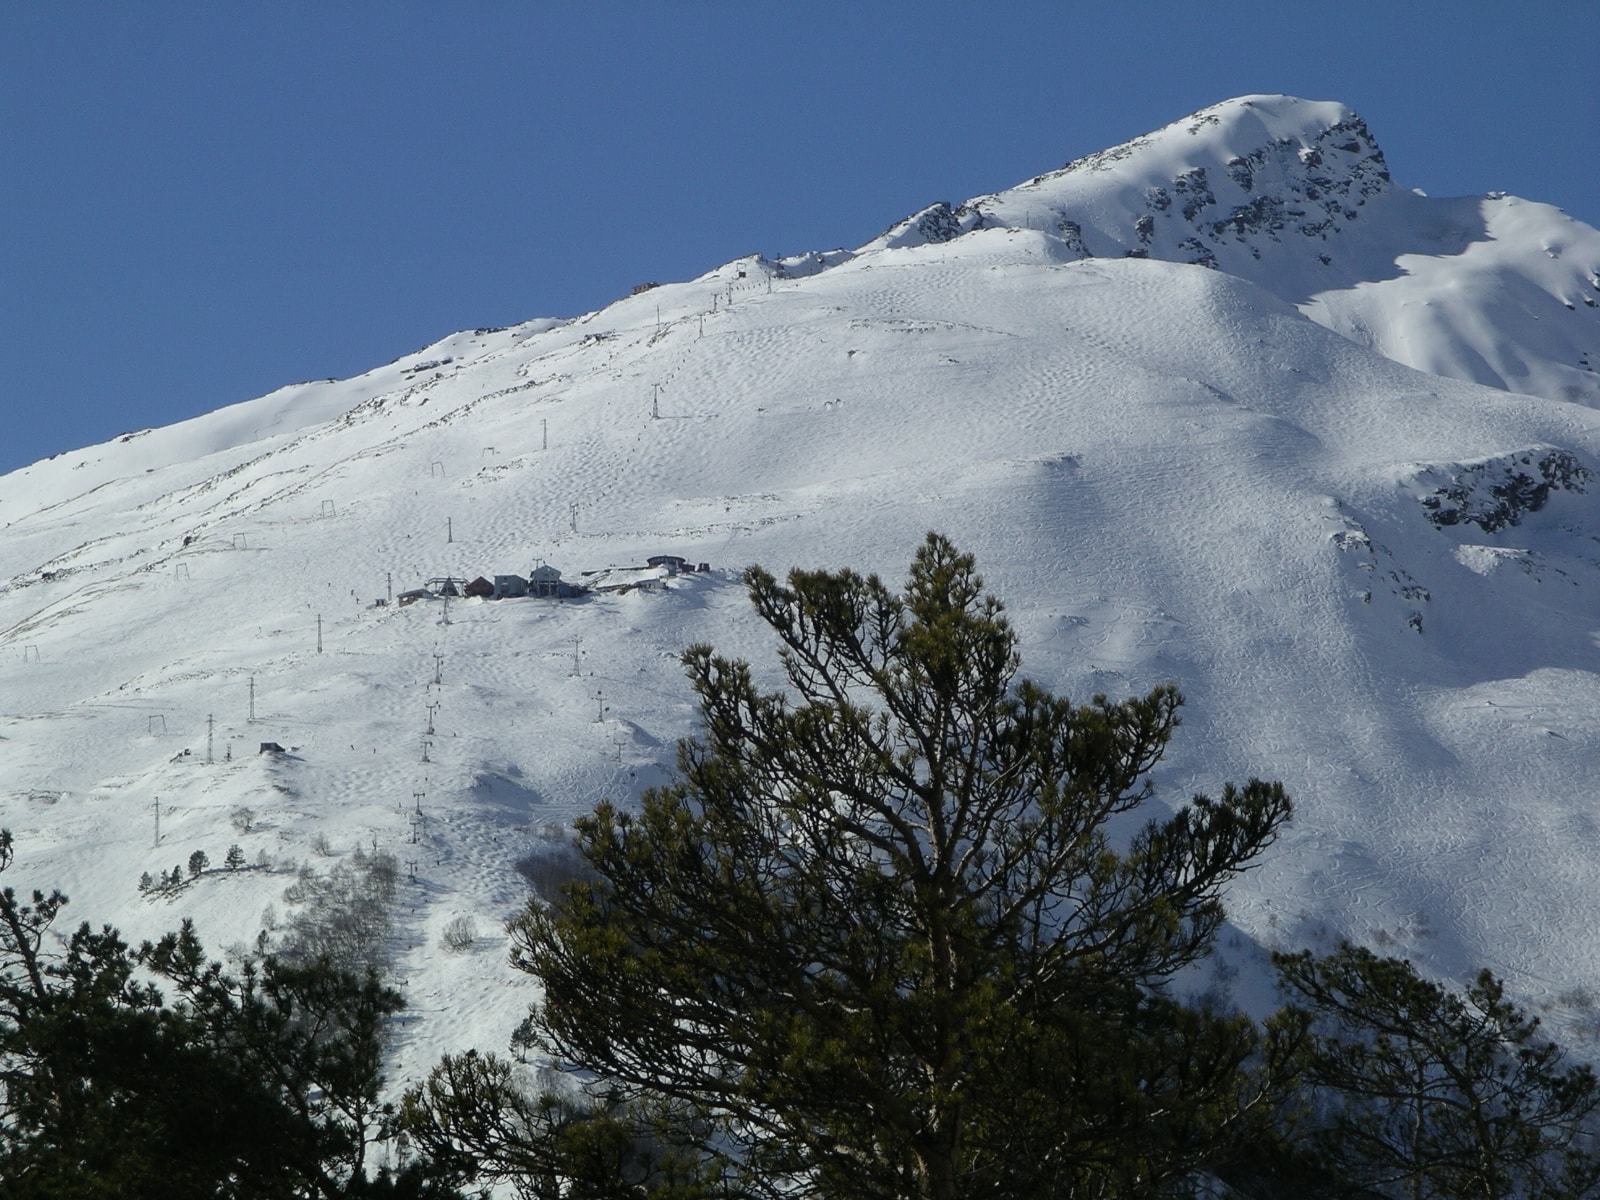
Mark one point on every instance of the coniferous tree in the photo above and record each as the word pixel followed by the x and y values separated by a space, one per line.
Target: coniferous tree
pixel 477 1123
pixel 198 862
pixel 260 1086
pixel 877 942
pixel 1426 1093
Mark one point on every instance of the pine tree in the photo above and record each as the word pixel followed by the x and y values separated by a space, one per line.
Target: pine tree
pixel 877 941
pixel 145 882
pixel 257 1086
pixel 1425 1092
pixel 234 858
pixel 479 1125
pixel 198 862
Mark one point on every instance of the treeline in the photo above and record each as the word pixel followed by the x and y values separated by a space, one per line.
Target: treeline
pixel 156 1073
pixel 876 943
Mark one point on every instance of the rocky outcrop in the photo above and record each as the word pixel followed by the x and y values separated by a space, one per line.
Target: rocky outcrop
pixel 1291 186
pixel 937 223
pixel 1495 493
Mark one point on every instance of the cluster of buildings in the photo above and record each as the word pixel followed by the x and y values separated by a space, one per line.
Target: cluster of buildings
pixel 545 582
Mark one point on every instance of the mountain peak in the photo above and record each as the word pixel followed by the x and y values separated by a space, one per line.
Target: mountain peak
pixel 1239 128
pixel 1279 116
pixel 1222 179
pixel 1252 165
pixel 1295 196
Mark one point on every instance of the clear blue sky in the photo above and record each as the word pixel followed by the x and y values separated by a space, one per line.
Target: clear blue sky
pixel 200 202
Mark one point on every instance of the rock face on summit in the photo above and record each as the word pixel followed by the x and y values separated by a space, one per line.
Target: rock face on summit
pixel 1295 195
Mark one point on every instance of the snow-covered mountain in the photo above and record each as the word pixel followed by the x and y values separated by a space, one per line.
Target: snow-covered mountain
pixel 1374 582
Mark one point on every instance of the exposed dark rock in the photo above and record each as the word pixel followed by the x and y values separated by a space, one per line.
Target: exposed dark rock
pixel 1264 214
pixel 1195 191
pixel 1240 172
pixel 1200 253
pixel 1072 233
pixel 939 222
pixel 1499 492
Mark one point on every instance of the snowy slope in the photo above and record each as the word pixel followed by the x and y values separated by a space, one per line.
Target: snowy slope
pixel 1376 584
pixel 239 432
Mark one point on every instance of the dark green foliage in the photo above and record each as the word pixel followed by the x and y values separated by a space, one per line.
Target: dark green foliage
pixel 198 862
pixel 475 1123
pixel 260 1085
pixel 1426 1093
pixel 877 941
pixel 234 859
